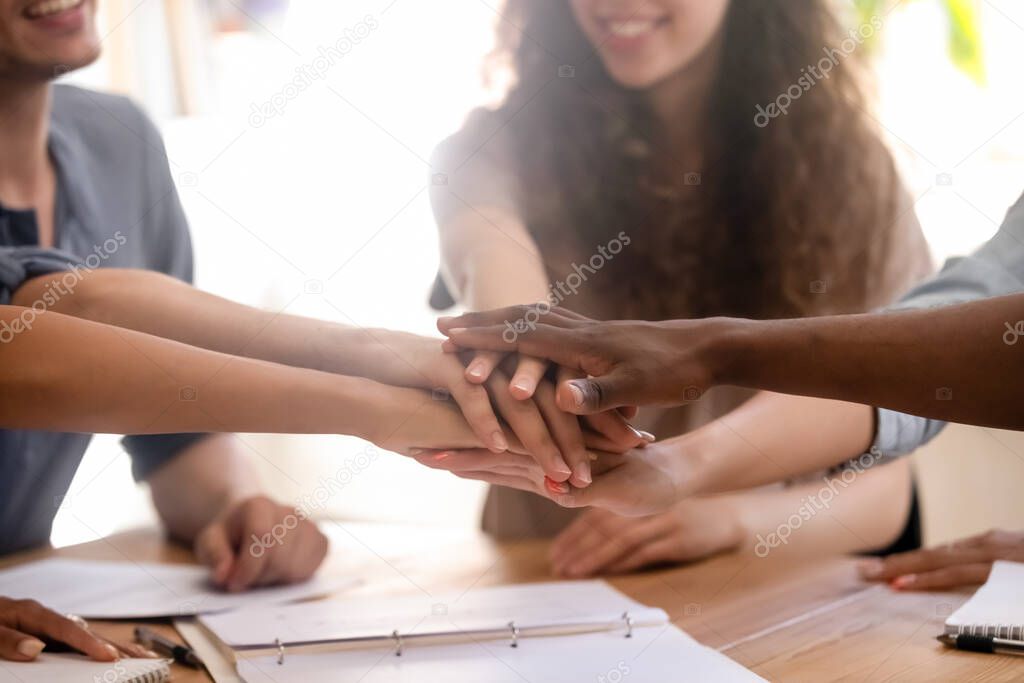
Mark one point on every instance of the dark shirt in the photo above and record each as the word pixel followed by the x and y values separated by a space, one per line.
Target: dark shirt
pixel 116 207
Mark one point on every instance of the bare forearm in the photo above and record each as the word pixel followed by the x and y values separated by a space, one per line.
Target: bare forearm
pixel 830 514
pixel 771 438
pixel 490 260
pixel 74 375
pixel 201 482
pixel 950 363
pixel 162 306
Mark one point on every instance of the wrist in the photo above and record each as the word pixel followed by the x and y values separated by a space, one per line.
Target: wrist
pixel 682 460
pixel 725 346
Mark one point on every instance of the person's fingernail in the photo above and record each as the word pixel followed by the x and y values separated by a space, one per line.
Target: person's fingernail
pixel 870 569
pixel 499 441
pixel 441 456
pixel 112 651
pixel 524 386
pixel 647 436
pixel 592 456
pixel 151 654
pixel 635 432
pixel 582 473
pixel 577 394
pixel 417 451
pixel 562 469
pixel 556 486
pixel 904 581
pixel 445 320
pixel 457 330
pixel 30 647
pixel 476 370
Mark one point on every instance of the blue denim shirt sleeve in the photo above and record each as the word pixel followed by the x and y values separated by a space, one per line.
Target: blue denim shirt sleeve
pixel 995 269
pixel 18 264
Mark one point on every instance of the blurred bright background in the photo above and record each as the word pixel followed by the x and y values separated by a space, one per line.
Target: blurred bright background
pixel 321 208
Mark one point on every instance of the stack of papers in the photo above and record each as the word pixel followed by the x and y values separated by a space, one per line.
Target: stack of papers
pixel 141 590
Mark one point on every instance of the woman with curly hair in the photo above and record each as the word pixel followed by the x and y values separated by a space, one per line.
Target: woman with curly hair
pixel 658 159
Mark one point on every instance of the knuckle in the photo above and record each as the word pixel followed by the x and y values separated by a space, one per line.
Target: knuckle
pixel 29 607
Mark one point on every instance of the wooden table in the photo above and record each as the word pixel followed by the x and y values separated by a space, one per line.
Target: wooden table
pixel 786 617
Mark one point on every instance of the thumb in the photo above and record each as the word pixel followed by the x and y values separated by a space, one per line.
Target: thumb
pixel 213 548
pixel 597 394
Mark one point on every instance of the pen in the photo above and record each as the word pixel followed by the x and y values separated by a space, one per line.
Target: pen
pixel 180 653
pixel 990 644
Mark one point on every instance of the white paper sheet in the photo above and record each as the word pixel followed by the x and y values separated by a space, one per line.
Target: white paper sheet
pixel 70 668
pixel 1000 602
pixel 474 610
pixel 653 655
pixel 135 590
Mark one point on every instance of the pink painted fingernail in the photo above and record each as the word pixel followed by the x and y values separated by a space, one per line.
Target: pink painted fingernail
pixel 441 456
pixel 556 486
pixel 647 436
pixel 905 581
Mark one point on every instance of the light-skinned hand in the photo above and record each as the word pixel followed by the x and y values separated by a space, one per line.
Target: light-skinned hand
pixel 259 542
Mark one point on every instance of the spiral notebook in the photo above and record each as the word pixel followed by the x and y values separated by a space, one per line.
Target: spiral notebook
pixel 995 609
pixel 548 632
pixel 72 668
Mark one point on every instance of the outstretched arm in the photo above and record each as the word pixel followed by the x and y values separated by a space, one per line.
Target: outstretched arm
pixel 69 374
pixel 947 363
pixel 163 306
pixel 156 304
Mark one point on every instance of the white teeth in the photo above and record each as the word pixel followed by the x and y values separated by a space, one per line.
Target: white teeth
pixel 631 29
pixel 48 7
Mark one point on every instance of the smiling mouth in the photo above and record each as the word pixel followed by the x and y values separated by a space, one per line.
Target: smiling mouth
pixel 631 27
pixel 49 8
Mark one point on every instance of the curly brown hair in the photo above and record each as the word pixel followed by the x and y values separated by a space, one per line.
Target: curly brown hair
pixel 779 215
